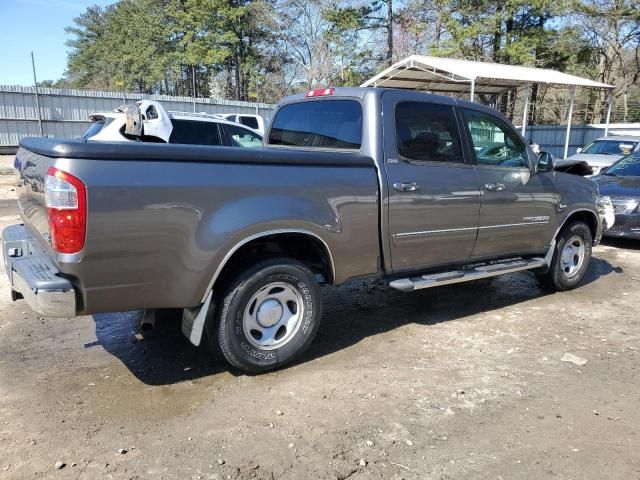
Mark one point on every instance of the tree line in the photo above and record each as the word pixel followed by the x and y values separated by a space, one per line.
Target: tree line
pixel 260 50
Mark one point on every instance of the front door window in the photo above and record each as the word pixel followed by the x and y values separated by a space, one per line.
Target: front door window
pixel 494 142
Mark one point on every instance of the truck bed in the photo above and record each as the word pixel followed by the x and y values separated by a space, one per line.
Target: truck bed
pixel 161 218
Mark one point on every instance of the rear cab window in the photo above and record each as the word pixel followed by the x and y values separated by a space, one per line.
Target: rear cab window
pixel 327 123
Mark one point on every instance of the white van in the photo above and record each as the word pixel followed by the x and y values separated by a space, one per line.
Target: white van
pixel 255 122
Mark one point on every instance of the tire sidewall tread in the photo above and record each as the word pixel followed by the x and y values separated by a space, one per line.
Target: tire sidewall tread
pixel 228 324
pixel 555 279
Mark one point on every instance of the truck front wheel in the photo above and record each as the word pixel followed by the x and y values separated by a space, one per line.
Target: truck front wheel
pixel 570 259
pixel 268 316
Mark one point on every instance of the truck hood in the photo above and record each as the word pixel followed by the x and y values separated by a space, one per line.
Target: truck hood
pixel 593 159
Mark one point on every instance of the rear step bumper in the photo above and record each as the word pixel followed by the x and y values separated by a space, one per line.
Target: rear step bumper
pixel 33 275
pixel 457 276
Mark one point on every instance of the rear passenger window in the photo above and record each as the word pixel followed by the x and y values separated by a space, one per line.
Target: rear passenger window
pixel 243 137
pixel 195 133
pixel 318 124
pixel 428 132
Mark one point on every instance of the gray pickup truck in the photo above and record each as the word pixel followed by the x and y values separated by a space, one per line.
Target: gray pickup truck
pixel 351 183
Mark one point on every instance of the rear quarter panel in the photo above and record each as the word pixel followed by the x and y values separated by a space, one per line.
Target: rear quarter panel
pixel 157 231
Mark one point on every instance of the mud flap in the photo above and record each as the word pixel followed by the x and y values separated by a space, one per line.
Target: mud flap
pixel 548 258
pixel 193 321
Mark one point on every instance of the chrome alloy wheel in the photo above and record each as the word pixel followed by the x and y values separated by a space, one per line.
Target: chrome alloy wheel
pixel 572 256
pixel 273 315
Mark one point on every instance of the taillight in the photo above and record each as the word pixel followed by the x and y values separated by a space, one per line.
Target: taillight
pixel 321 92
pixel 66 201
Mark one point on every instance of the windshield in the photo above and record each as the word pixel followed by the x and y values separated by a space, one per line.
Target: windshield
pixel 627 167
pixel 610 147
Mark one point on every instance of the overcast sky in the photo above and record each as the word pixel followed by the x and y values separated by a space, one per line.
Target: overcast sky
pixel 38 26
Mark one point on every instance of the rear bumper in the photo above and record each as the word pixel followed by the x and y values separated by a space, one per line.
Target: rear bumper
pixel 33 275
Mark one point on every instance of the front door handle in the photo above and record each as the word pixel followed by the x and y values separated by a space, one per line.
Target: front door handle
pixel 406 187
pixel 495 187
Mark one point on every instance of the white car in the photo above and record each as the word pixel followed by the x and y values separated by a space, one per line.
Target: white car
pixel 255 122
pixel 161 126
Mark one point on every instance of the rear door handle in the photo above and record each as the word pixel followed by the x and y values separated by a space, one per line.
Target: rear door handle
pixel 406 187
pixel 494 187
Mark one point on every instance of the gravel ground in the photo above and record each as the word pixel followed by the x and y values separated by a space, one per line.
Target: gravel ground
pixel 465 381
pixel 6 173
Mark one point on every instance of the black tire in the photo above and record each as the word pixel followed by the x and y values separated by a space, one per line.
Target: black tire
pixel 557 278
pixel 226 329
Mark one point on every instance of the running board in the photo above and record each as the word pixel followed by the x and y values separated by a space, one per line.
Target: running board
pixel 459 276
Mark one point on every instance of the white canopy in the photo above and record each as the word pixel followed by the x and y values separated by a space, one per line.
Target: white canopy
pixel 437 74
pixel 450 75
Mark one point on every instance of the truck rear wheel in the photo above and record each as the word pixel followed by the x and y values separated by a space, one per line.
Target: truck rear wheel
pixel 268 316
pixel 571 258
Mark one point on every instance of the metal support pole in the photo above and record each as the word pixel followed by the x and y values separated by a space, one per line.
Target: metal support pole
pixel 473 90
pixel 35 88
pixel 569 118
pixel 257 94
pixel 525 115
pixel 609 102
pixel 193 77
pixel 124 88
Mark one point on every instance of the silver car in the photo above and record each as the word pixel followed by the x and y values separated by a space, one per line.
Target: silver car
pixel 604 152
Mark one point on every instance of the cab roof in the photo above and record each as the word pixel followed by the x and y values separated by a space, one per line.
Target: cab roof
pixel 362 92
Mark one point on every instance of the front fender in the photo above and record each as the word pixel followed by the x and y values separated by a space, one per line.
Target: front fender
pixel 578 195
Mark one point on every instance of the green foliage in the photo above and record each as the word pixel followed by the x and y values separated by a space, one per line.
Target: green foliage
pixel 263 49
pixel 158 46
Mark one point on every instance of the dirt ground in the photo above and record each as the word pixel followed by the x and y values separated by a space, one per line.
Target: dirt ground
pixel 458 382
pixel 6 164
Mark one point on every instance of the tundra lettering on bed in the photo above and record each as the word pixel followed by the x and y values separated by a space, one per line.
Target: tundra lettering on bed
pixel 350 183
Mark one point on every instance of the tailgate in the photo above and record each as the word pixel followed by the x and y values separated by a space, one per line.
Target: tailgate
pixel 32 169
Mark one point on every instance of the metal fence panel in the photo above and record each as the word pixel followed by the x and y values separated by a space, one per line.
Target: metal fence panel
pixel 65 112
pixel 551 138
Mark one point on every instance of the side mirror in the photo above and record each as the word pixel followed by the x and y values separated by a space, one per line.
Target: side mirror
pixel 546 162
pixel 578 150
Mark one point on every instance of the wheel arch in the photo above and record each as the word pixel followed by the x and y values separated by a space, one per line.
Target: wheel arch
pixel 582 214
pixel 300 244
